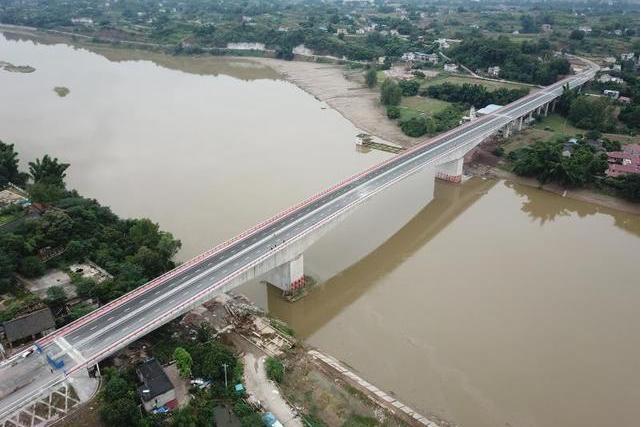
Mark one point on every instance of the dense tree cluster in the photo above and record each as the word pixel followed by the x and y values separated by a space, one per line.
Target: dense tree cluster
pixel 409 87
pixel 133 250
pixel 473 94
pixel 431 125
pixel 544 160
pixel 517 62
pixel 597 113
pixel 9 166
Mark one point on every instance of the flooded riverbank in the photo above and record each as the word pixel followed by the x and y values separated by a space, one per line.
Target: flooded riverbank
pixel 496 305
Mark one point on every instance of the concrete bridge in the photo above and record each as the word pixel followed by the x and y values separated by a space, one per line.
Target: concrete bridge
pixel 274 248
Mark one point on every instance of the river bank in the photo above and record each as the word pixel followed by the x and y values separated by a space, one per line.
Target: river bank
pixel 344 91
pixel 482 162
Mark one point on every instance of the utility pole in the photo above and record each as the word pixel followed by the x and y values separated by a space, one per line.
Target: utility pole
pixel 225 368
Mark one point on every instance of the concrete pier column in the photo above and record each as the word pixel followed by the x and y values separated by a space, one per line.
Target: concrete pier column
pixel 289 276
pixel 451 171
pixel 520 123
pixel 554 105
pixel 545 111
pixel 507 130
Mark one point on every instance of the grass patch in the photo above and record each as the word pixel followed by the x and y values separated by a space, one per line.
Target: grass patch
pixel 424 104
pixel 558 125
pixel 282 327
pixel 360 421
pixel 5 218
pixel 455 79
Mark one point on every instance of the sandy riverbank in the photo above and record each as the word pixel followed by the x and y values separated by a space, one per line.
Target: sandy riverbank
pixel 344 91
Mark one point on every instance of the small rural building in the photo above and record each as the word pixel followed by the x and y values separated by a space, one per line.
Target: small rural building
pixel 494 71
pixel 156 389
pixel 32 325
pixel 488 109
pixel 623 162
pixel 614 94
pixel 450 68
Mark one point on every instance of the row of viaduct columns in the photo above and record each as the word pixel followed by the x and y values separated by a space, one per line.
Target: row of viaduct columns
pixel 452 171
pixel 528 118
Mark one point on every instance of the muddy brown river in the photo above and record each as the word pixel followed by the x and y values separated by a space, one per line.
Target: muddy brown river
pixel 488 303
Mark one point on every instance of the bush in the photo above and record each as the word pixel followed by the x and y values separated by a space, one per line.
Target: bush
pixel 498 151
pixel 415 127
pixel 371 78
pixel 183 361
pixel 275 369
pixel 393 112
pixel 409 87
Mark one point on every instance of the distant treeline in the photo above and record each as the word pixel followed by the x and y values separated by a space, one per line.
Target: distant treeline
pixel 530 62
pixel 473 94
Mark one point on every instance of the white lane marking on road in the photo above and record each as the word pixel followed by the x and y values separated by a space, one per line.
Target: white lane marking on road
pixel 110 319
pixel 127 309
pixel 486 128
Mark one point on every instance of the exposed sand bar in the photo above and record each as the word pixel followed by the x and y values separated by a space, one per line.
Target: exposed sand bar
pixel 344 91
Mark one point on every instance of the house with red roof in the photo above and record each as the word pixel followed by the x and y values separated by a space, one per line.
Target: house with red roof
pixel 623 162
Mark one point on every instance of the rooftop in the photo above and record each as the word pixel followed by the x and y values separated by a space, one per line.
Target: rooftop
pixel 29 324
pixel 489 109
pixel 155 380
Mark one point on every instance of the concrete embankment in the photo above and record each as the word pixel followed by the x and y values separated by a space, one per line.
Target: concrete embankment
pixel 398 408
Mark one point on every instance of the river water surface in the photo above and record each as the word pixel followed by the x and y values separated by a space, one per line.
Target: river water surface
pixel 495 305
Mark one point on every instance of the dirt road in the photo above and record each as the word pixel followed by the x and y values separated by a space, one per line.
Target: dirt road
pixel 264 390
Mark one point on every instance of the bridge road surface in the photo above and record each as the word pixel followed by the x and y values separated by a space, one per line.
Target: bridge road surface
pixel 111 327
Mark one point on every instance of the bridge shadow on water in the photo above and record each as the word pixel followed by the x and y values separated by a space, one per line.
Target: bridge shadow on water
pixel 331 297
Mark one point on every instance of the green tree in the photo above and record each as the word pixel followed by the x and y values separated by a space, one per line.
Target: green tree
pixel 577 35
pixel 371 77
pixel 121 412
pixel 48 170
pixel 31 266
pixel 588 112
pixel 274 369
pixel 183 361
pixel 390 92
pixel 8 265
pixel 528 25
pixel 9 166
pixel 56 295
pixel 42 192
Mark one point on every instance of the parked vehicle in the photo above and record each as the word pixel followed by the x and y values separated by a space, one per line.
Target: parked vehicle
pixel 270 420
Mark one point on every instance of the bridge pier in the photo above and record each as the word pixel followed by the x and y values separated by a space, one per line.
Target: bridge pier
pixel 545 111
pixel 520 123
pixel 289 276
pixel 451 171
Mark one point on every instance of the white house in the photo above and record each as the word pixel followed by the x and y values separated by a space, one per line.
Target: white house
pixel 627 56
pixel 450 68
pixel 614 94
pixel 585 29
pixel 494 71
